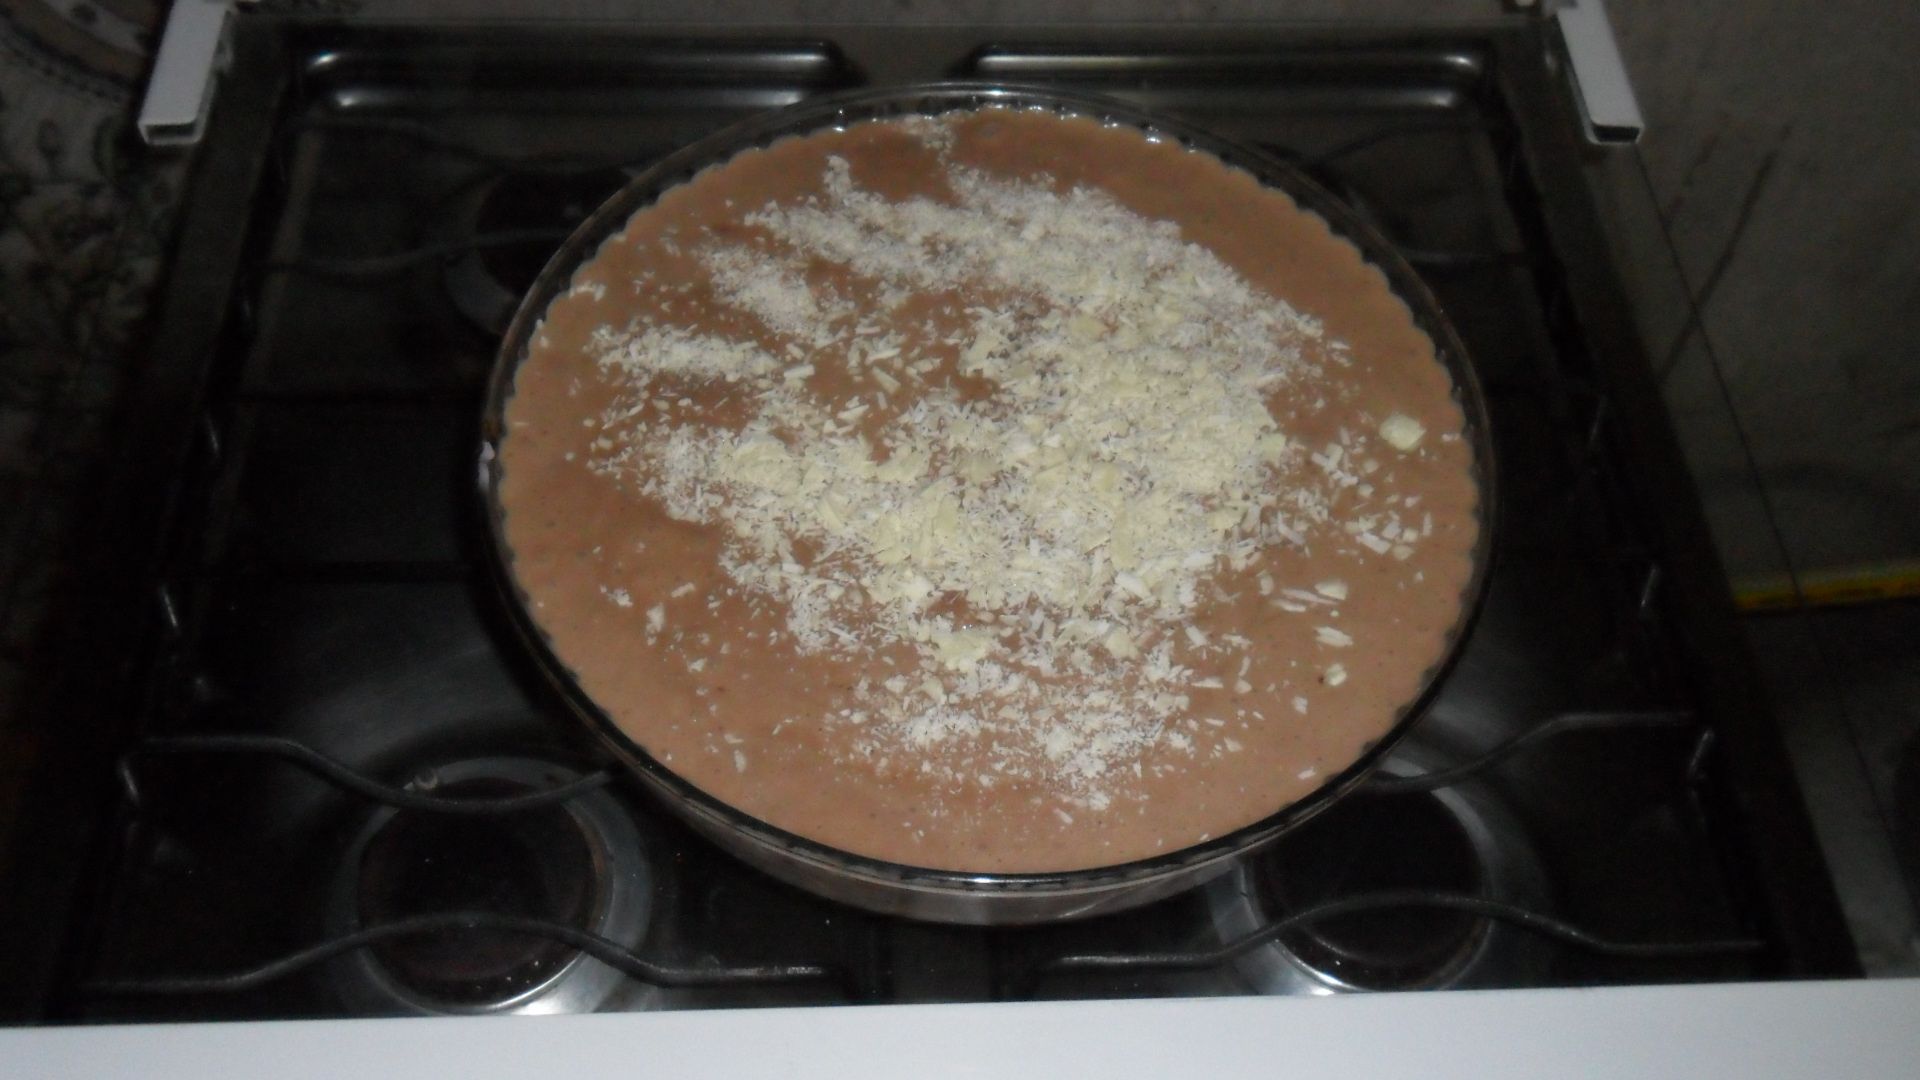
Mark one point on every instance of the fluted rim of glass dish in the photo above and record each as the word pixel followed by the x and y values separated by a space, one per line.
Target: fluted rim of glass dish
pixel 932 99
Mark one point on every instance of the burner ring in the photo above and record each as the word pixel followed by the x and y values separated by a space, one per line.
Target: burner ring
pixel 1468 953
pixel 529 976
pixel 1379 950
pixel 486 283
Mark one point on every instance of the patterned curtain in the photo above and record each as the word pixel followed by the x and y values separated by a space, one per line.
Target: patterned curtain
pixel 85 218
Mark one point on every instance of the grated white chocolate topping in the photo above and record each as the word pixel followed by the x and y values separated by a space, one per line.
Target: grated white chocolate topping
pixel 1003 450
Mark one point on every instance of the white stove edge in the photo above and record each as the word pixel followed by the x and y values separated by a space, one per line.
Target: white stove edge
pixel 1856 1029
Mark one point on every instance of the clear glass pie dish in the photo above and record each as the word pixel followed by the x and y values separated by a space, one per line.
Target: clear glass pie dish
pixel 896 888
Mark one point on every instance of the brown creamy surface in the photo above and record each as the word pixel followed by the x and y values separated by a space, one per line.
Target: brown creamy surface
pixel 717 690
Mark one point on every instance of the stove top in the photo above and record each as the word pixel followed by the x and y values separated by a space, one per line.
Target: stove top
pixel 338 787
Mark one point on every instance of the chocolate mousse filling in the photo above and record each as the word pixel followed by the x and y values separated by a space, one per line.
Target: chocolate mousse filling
pixel 995 492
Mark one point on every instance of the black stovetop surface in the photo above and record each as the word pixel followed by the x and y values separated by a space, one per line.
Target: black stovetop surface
pixel 323 577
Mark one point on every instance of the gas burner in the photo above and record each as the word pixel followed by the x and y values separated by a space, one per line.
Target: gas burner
pixel 487 281
pixel 1458 840
pixel 580 864
pixel 1334 857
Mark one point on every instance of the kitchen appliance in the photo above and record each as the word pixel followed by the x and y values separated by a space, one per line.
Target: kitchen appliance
pixel 314 773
